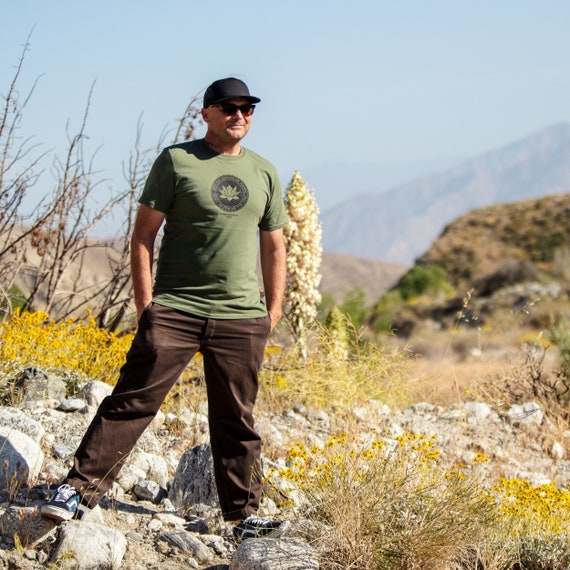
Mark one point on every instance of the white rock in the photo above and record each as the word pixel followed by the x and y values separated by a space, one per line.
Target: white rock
pixel 87 546
pixel 18 420
pixel 477 412
pixel 170 519
pixel 153 466
pixel 274 554
pixel 94 392
pixel 21 458
pixel 528 414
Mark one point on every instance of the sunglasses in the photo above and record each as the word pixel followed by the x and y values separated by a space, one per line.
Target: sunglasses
pixel 230 109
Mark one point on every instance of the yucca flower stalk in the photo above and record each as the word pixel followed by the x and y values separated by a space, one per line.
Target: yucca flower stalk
pixel 303 238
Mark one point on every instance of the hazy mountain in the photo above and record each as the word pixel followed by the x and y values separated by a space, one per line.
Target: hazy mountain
pixel 336 182
pixel 400 224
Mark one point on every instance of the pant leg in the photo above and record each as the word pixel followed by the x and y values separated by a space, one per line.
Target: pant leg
pixel 233 354
pixel 165 342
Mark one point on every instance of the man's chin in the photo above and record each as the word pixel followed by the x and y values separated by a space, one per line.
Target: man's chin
pixel 237 133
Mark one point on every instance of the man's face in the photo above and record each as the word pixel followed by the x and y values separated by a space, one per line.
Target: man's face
pixel 228 128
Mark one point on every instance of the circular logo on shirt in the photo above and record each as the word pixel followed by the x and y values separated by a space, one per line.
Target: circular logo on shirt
pixel 229 193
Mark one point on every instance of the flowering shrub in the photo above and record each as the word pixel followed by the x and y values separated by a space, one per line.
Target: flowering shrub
pixel 544 509
pixel 31 339
pixel 388 503
pixel 304 253
pixel 537 520
pixel 393 503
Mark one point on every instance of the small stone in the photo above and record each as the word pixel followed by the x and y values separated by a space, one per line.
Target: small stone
pixel 149 491
pixel 30 554
pixel 62 451
pixel 154 525
pixel 72 405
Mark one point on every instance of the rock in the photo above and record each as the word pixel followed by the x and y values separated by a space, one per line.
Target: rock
pixel 21 458
pixel 36 384
pixel 274 554
pixel 149 491
pixel 171 519
pixel 153 466
pixel 193 482
pixel 476 412
pixel 528 415
pixel 62 451
pixel 26 523
pixel 189 543
pixel 270 434
pixel 94 515
pixel 89 546
pixel 129 477
pixel 73 405
pixel 216 543
pixel 14 418
pixel 94 392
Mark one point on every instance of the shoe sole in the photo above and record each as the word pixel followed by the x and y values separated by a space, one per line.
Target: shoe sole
pixel 56 513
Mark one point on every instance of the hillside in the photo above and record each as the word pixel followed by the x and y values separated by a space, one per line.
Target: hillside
pixel 522 238
pixel 506 303
pixel 399 225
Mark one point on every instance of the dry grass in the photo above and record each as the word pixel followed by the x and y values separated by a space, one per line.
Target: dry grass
pixel 388 504
pixel 333 376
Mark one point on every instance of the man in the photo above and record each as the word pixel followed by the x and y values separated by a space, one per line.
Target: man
pixel 213 196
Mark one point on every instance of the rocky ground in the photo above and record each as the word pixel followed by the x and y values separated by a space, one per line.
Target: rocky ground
pixel 162 513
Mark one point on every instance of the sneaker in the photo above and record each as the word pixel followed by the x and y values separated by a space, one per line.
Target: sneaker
pixel 257 527
pixel 63 505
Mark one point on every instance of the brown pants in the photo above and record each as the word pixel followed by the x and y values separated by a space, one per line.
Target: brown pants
pixel 165 342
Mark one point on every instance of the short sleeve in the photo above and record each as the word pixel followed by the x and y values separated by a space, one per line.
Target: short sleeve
pixel 158 192
pixel 275 215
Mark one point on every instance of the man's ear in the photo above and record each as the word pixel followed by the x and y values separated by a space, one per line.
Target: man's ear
pixel 205 114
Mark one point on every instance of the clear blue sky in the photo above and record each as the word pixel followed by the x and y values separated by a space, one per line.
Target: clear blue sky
pixel 368 81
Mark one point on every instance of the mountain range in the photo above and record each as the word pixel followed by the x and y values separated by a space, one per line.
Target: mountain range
pixel 398 225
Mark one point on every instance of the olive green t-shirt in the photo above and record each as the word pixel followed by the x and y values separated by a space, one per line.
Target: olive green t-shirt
pixel 213 205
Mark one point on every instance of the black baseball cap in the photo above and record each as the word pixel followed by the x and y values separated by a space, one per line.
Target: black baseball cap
pixel 229 88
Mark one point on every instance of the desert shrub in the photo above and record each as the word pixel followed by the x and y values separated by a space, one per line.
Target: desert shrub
pixel 423 279
pixel 393 503
pixel 338 331
pixel 355 307
pixel 76 349
pixel 528 381
pixel 387 503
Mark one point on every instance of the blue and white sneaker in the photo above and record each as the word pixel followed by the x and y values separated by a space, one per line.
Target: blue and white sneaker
pixel 63 505
pixel 257 527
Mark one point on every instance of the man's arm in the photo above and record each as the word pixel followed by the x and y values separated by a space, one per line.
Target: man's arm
pixel 147 224
pixel 274 271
